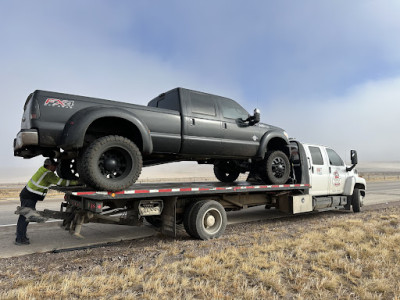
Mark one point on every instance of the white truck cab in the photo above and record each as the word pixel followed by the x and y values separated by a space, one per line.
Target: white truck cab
pixel 329 176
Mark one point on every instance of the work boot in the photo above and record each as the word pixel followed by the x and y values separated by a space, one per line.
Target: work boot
pixel 21 242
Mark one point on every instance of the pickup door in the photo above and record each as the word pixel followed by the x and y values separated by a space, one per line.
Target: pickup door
pixel 238 137
pixel 201 124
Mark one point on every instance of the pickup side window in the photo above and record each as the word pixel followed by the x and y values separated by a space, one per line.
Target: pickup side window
pixel 232 110
pixel 202 104
pixel 316 156
pixel 334 158
pixel 169 100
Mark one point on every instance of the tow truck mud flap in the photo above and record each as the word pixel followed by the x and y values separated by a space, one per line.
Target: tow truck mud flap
pixel 302 203
pixel 168 217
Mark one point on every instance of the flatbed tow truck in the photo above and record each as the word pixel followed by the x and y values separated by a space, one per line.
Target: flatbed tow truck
pixel 320 181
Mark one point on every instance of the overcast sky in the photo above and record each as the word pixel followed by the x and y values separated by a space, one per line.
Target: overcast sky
pixel 328 72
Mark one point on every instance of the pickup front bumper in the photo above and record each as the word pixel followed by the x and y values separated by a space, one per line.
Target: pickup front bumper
pixel 25 138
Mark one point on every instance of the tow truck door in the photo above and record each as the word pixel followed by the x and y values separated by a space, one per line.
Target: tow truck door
pixel 318 170
pixel 337 172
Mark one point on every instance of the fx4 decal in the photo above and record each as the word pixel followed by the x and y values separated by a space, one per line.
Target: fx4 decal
pixel 59 103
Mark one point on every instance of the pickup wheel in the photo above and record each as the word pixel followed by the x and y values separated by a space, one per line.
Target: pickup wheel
pixel 357 200
pixel 111 163
pixel 275 168
pixel 67 169
pixel 226 171
pixel 207 220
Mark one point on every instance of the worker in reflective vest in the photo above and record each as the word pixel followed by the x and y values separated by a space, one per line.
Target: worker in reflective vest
pixel 35 190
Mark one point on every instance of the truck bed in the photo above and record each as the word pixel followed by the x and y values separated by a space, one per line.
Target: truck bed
pixel 151 190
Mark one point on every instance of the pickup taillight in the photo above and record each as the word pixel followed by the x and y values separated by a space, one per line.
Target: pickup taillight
pixel 35 111
pixel 31 111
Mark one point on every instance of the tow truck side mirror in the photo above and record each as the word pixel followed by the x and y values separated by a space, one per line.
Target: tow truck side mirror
pixel 354 160
pixel 353 155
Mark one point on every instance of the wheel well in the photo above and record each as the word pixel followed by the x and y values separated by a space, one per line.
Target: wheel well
pixel 278 144
pixel 361 187
pixel 113 126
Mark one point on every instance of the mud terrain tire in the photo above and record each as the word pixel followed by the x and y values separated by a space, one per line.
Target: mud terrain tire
pixel 275 168
pixel 111 163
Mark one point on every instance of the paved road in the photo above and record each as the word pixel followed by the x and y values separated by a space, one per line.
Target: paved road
pixel 46 237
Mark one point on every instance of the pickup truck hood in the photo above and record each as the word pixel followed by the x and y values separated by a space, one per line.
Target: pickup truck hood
pixel 266 127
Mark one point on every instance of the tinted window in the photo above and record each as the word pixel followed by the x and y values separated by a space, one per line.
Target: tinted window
pixel 316 156
pixel 153 103
pixel 232 110
pixel 334 158
pixel 169 100
pixel 202 104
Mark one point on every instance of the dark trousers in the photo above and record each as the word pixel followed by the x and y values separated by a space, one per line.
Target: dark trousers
pixel 22 224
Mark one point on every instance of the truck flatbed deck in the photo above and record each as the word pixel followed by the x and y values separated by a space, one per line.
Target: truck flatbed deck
pixel 151 190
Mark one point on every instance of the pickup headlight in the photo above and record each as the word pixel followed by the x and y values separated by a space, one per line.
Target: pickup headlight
pixel 285 133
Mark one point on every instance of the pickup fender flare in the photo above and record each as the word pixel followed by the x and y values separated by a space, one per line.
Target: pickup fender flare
pixel 75 129
pixel 267 137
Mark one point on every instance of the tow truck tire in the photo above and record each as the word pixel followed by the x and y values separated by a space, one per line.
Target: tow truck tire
pixel 225 171
pixel 67 169
pixel 111 163
pixel 357 200
pixel 208 220
pixel 187 217
pixel 275 168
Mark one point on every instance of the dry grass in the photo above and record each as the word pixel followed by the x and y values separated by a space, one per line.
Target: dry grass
pixel 325 256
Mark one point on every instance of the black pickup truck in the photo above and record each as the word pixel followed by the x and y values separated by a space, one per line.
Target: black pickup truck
pixel 106 143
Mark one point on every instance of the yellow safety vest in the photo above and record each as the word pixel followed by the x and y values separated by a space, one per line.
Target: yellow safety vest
pixel 43 179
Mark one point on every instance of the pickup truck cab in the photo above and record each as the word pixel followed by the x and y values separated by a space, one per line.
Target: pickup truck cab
pixel 106 143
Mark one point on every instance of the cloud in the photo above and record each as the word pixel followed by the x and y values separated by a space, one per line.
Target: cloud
pixel 315 68
pixel 365 119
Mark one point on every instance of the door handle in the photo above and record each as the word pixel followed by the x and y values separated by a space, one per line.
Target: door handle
pixel 192 122
pixel 225 125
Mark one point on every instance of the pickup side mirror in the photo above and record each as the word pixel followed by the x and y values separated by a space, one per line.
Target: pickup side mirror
pixel 256 116
pixel 354 160
pixel 254 119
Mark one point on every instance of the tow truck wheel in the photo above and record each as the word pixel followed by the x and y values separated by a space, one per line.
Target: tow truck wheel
pixel 188 216
pixel 208 220
pixel 111 163
pixel 275 168
pixel 226 171
pixel 67 169
pixel 357 200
